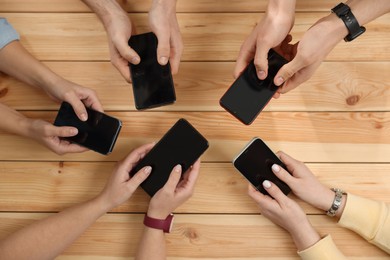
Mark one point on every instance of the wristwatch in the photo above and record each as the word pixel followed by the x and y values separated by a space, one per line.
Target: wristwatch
pixel 344 13
pixel 336 202
pixel 163 224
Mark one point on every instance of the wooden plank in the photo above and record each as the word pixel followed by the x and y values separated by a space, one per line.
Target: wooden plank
pixel 199 236
pixel 143 6
pixel 220 189
pixel 336 86
pixel 82 37
pixel 323 134
pixel 313 137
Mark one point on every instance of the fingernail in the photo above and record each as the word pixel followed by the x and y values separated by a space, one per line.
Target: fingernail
pixel 279 81
pixel 147 170
pixel 178 168
pixel 84 116
pixel 261 74
pixel 275 168
pixel 266 184
pixel 135 60
pixel 73 131
pixel 163 60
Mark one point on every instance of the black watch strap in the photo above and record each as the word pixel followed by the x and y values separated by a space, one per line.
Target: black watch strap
pixel 344 13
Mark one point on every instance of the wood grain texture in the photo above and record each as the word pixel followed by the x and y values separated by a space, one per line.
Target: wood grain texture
pixel 199 236
pixel 68 36
pixel 336 86
pixel 312 137
pixel 220 189
pixel 143 6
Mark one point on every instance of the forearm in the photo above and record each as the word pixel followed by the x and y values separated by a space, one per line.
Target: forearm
pixel 13 122
pixel 367 10
pixel 47 238
pixel 151 245
pixel 17 62
pixel 106 10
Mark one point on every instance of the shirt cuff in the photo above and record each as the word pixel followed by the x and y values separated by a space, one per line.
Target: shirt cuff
pixel 7 33
pixel 325 249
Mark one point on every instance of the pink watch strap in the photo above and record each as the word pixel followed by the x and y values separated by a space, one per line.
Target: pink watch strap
pixel 163 224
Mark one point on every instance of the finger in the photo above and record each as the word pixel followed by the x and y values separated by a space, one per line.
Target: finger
pixel 137 154
pixel 67 147
pixel 176 52
pixel 174 179
pixel 247 52
pixel 282 174
pixel 90 99
pixel 274 191
pixel 163 48
pixel 77 105
pixel 139 177
pixel 276 95
pixel 287 71
pixel 257 196
pixel 261 60
pixel 126 52
pixel 60 131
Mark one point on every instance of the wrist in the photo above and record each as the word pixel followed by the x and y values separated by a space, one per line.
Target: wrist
pixel 305 236
pixel 102 204
pixel 333 27
pixel 156 213
pixel 281 6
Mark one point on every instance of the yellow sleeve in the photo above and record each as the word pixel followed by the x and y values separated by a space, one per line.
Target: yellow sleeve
pixel 325 249
pixel 369 218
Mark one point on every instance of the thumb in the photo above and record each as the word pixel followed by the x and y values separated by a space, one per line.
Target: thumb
pixel 261 61
pixel 78 107
pixel 60 131
pixel 274 191
pixel 163 48
pixel 282 174
pixel 174 178
pixel 287 71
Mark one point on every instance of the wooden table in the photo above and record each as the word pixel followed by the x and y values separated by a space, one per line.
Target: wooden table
pixel 338 123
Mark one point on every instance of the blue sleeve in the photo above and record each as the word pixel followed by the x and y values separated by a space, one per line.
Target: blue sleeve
pixel 7 33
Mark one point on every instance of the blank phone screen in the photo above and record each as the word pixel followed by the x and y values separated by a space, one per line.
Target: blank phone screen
pixel 248 95
pixel 182 144
pixel 98 133
pixel 152 83
pixel 255 163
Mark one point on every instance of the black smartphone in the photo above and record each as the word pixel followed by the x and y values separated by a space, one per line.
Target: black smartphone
pixel 182 144
pixel 248 95
pixel 98 133
pixel 152 82
pixel 254 162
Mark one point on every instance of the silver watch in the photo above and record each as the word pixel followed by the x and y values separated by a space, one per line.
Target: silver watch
pixel 336 202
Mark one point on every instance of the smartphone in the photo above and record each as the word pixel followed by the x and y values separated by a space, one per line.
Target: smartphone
pixel 254 162
pixel 98 133
pixel 248 95
pixel 182 144
pixel 152 82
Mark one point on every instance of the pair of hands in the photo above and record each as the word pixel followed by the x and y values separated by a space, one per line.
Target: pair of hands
pixel 120 186
pixel 305 56
pixel 48 134
pixel 285 212
pixel 162 21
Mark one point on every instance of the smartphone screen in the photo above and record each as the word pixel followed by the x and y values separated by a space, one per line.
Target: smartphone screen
pixel 254 162
pixel 248 95
pixel 98 133
pixel 152 83
pixel 182 144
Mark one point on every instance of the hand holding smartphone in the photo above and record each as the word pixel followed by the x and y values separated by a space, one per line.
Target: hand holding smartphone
pixel 248 95
pixel 182 144
pixel 254 162
pixel 152 82
pixel 98 133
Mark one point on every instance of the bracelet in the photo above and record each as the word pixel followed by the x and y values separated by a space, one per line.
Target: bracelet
pixel 336 202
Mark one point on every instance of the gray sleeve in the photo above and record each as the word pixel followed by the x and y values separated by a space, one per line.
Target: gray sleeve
pixel 7 33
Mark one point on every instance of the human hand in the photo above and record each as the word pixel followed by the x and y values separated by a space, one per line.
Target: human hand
pixel 163 22
pixel 303 183
pixel 50 136
pixel 286 213
pixel 313 48
pixel 175 192
pixel 120 186
pixel 119 30
pixel 270 32
pixel 77 96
